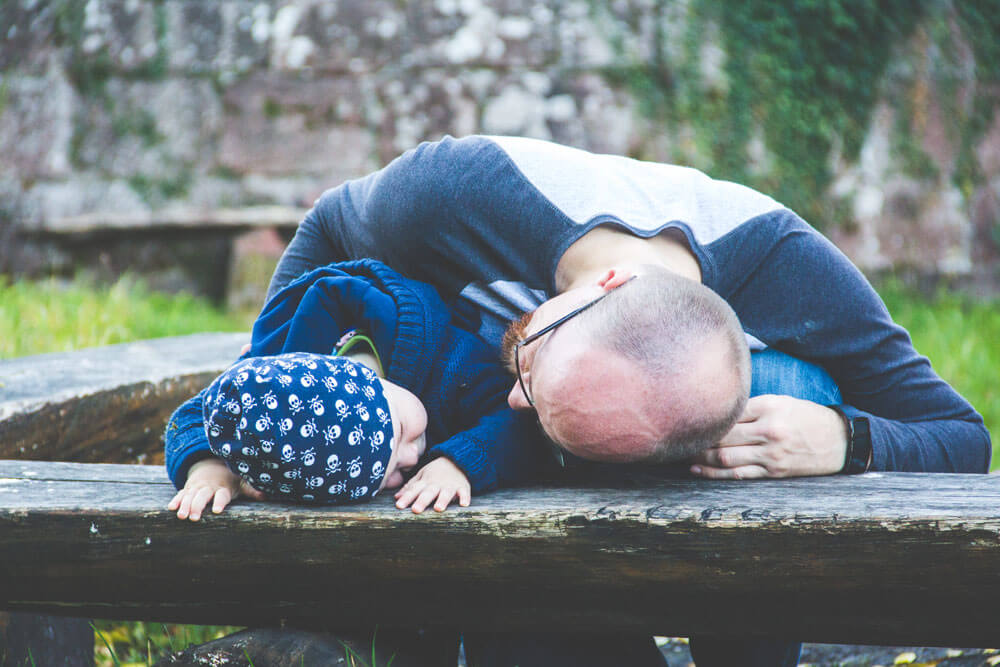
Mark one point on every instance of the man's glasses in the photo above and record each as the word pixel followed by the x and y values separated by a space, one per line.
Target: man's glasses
pixel 541 332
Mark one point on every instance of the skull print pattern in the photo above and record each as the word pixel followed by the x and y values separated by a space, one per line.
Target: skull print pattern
pixel 259 423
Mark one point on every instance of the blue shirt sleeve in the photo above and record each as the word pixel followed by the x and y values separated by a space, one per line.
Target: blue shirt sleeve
pixel 503 449
pixel 185 440
pixel 795 291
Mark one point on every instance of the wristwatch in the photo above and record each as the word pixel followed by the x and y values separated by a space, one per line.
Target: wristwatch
pixel 858 458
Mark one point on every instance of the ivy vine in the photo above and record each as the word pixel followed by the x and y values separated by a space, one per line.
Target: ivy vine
pixel 803 76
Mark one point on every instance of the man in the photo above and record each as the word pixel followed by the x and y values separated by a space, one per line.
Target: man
pixel 500 224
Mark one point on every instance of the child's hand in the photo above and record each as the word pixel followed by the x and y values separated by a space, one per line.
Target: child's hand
pixel 209 480
pixel 440 479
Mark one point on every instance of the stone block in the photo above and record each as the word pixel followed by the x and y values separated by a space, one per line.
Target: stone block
pixel 246 35
pixel 152 129
pixel 348 36
pixel 226 36
pixel 85 193
pixel 497 34
pixel 577 108
pixel 420 105
pixel 193 38
pixel 27 34
pixel 277 125
pixel 605 118
pixel 254 256
pixel 36 123
pixel 988 149
pixel 984 210
pixel 125 30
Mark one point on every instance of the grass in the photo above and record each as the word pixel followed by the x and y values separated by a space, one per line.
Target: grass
pixel 121 644
pixel 956 332
pixel 59 315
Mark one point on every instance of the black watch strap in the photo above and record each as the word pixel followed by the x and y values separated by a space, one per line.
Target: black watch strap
pixel 858 457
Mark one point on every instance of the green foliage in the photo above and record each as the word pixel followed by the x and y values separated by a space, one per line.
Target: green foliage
pixel 958 334
pixel 139 643
pixel 54 315
pixel 804 76
pixel 156 189
pixel 980 24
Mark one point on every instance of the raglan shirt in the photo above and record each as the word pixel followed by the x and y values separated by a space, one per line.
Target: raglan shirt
pixel 486 220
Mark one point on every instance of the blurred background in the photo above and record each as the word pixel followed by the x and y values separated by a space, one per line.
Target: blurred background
pixel 156 155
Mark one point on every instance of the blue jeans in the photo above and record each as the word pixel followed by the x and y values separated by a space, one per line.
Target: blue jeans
pixel 773 373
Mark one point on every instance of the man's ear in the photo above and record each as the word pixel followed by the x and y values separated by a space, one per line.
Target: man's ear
pixel 615 278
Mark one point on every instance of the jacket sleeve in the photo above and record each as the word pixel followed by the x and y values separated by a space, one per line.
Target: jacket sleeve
pixel 185 440
pixel 310 314
pixel 503 449
pixel 805 298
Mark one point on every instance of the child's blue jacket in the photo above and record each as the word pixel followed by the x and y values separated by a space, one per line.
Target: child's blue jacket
pixel 457 376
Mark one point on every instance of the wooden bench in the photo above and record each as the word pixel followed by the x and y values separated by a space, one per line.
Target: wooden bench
pixel 879 558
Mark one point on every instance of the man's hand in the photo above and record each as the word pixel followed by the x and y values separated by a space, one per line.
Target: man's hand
pixel 209 480
pixel 441 480
pixel 777 436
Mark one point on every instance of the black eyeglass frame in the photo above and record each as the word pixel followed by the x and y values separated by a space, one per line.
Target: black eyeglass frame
pixel 546 329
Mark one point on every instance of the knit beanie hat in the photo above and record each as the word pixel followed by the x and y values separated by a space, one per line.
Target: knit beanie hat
pixel 301 426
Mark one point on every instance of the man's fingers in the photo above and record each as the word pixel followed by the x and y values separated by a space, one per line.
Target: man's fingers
pixel 743 433
pixel 732 456
pixel 740 472
pixel 757 406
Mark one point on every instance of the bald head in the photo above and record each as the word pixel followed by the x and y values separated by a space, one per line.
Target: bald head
pixel 658 370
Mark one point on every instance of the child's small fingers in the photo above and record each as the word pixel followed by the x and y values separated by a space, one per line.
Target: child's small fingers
pixel 201 500
pixel 464 496
pixel 425 498
pixel 221 500
pixel 185 506
pixel 444 499
pixel 408 493
pixel 175 502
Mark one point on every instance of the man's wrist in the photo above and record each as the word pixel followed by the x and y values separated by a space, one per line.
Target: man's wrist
pixel 858 454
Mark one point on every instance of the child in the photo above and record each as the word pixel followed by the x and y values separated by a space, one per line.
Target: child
pixel 438 380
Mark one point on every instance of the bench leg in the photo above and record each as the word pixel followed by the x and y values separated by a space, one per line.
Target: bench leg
pixel 33 639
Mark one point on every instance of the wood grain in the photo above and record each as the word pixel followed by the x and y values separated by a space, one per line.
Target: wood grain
pixel 106 404
pixel 881 558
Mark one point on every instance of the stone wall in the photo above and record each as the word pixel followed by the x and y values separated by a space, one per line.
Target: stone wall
pixel 142 105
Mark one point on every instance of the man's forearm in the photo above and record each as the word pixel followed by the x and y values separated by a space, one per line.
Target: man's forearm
pixel 310 247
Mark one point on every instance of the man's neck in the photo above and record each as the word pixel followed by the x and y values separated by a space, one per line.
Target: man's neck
pixel 604 248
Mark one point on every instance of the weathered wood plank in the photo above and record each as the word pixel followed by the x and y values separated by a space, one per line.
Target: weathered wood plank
pixel 107 403
pixel 242 218
pixel 880 558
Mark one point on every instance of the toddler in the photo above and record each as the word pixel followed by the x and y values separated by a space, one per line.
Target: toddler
pixel 353 369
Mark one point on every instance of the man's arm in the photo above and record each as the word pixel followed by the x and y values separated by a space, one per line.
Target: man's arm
pixel 803 296
pixel 312 246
